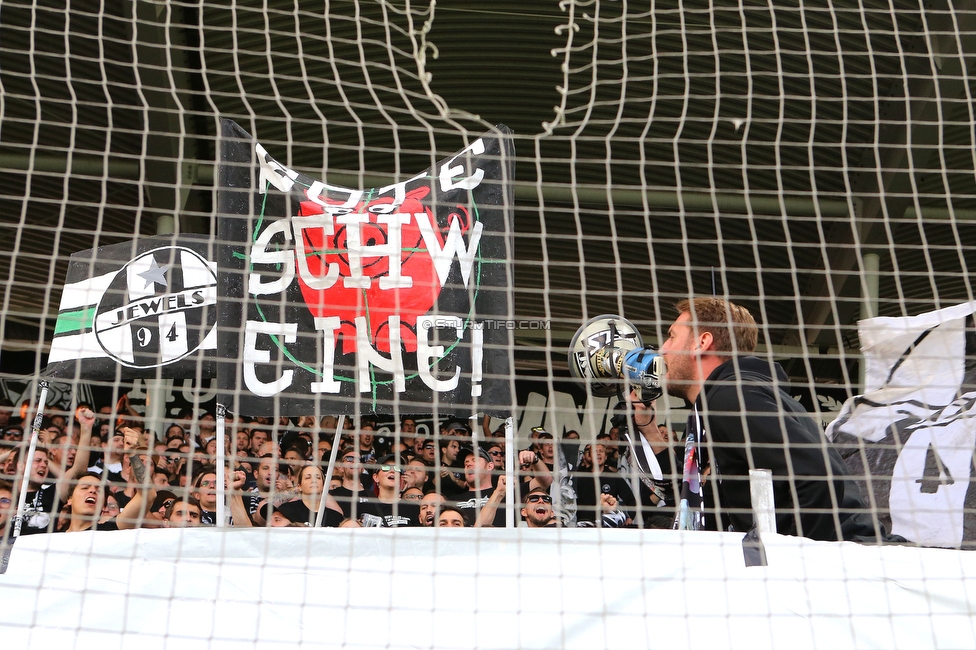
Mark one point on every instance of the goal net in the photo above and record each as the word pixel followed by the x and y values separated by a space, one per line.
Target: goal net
pixel 559 274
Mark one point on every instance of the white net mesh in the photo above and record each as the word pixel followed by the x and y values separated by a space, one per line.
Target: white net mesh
pixel 811 162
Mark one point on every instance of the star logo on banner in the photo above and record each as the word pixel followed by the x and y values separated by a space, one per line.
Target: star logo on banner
pixel 129 323
pixel 155 274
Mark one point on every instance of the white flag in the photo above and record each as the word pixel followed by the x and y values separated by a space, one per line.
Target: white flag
pixel 919 405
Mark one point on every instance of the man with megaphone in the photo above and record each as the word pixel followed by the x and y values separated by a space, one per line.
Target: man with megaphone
pixel 745 419
pixel 742 418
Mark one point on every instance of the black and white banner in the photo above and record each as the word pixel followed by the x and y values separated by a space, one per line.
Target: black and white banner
pixel 358 299
pixel 917 419
pixel 146 308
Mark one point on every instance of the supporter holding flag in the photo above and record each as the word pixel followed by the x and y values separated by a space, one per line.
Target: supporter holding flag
pixel 44 496
pixel 311 487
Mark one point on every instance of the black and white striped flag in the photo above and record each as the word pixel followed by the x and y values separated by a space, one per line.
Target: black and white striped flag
pixel 139 309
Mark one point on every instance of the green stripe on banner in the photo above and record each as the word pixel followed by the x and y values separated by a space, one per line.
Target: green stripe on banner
pixel 71 322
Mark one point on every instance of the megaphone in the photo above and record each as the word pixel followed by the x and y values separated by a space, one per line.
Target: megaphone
pixel 608 354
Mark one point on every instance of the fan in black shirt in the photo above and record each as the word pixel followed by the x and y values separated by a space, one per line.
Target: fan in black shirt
pixel 44 498
pixel 593 479
pixel 387 509
pixel 478 468
pixel 84 507
pixel 311 482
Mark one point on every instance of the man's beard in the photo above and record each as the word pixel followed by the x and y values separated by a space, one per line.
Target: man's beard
pixel 541 521
pixel 678 380
pixel 677 390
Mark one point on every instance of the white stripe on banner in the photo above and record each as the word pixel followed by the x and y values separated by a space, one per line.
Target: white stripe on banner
pixel 79 295
pixel 210 343
pixel 172 336
pixel 119 341
pixel 196 274
pixel 86 293
pixel 75 346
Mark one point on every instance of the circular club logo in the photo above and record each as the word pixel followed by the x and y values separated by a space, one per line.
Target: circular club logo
pixel 159 308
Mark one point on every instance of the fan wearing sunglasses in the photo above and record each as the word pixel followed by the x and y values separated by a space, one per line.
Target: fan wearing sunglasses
pixel 537 509
pixel 387 509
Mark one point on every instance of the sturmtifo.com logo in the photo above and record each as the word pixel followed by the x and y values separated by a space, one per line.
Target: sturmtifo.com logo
pixel 159 308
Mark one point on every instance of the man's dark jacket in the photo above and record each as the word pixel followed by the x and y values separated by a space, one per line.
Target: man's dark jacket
pixel 752 423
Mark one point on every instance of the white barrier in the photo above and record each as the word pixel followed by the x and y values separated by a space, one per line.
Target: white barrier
pixel 460 588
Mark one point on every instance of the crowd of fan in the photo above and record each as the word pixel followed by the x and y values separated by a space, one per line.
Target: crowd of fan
pixel 101 470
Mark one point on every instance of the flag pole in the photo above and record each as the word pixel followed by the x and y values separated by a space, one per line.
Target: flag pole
pixel 320 515
pixel 510 458
pixel 221 467
pixel 25 480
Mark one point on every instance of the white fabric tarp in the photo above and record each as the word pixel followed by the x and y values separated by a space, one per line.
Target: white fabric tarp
pixel 462 588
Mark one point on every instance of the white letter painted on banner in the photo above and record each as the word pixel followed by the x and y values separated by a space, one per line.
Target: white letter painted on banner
pixel 356 251
pixel 299 224
pixel 253 356
pixel 393 251
pixel 317 189
pixel 400 189
pixel 328 326
pixel 426 351
pixel 367 354
pixel 444 257
pixel 448 172
pixel 260 254
pixel 271 171
pixel 477 357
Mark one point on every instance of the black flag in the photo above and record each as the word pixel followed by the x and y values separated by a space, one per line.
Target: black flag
pixel 359 299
